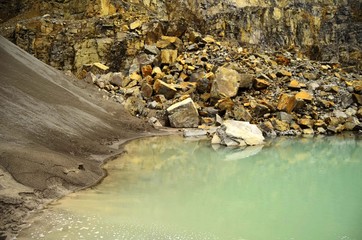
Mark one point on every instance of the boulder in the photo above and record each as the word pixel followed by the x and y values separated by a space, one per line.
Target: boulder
pixel 259 110
pixel 306 122
pixel 225 104
pixel 119 80
pixel 283 116
pixel 284 73
pixel 226 83
pixel 357 86
pixel 359 112
pixel 183 114
pixel 160 87
pixel 286 103
pixel 246 80
pixel 238 133
pixel 295 84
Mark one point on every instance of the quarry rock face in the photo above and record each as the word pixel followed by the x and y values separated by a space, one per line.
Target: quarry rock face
pixel 283 65
pixel 325 30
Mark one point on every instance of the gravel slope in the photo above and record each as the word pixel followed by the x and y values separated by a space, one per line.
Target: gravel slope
pixel 55 133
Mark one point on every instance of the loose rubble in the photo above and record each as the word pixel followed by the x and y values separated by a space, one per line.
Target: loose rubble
pixel 152 61
pixel 198 82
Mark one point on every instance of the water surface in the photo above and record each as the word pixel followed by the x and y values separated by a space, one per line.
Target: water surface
pixel 172 188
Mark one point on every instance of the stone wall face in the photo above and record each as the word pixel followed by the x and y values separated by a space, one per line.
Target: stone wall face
pixel 80 32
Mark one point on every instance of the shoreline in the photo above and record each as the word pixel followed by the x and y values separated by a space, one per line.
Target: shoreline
pixel 120 143
pixel 164 132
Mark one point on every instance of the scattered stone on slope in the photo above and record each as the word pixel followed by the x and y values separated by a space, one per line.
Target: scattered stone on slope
pixel 276 91
pixel 226 83
pixel 183 114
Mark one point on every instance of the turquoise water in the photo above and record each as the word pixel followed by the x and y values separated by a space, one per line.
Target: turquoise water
pixel 172 188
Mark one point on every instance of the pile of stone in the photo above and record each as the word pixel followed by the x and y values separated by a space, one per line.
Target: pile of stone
pixel 195 80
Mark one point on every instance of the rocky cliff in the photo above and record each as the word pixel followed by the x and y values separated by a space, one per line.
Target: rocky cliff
pixel 68 34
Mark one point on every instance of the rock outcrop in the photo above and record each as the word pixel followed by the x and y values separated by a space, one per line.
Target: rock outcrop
pixel 62 32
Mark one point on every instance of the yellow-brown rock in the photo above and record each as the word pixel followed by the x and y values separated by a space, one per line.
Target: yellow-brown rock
pixel 306 122
pixel 357 98
pixel 295 84
pixel 281 126
pixel 286 103
pixel 283 72
pixel 226 83
pixel 168 56
pixel 160 87
pixel 261 83
pixel 136 24
pixel 146 90
pixel 146 70
pixel 303 95
pixel 225 104
pixel 357 86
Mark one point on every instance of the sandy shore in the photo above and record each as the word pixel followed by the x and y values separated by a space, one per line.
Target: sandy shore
pixel 55 133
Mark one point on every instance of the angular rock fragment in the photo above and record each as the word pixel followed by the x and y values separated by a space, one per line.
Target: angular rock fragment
pixel 146 90
pixel 357 98
pixel 168 56
pixel 238 133
pixel 225 104
pixel 261 84
pixel 226 83
pixel 165 89
pixel 136 24
pixel 280 126
pixel 183 114
pixel 304 96
pixel 152 49
pixel 155 122
pixel 286 103
pixel 246 80
pixel 241 114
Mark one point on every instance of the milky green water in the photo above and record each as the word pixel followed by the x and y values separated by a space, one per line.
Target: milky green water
pixel 172 188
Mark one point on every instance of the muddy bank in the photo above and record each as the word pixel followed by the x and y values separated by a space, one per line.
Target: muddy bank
pixel 55 133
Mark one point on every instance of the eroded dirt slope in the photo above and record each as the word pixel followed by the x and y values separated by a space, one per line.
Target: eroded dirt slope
pixel 50 127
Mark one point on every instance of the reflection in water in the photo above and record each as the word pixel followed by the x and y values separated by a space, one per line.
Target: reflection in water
pixel 171 188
